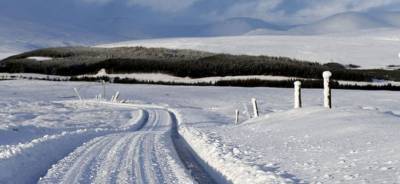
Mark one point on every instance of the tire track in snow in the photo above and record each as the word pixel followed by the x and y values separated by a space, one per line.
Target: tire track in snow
pixel 26 162
pixel 126 168
pixel 125 158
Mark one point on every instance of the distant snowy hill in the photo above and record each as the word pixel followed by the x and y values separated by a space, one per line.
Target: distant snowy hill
pixel 239 26
pixel 340 23
pixel 343 22
pixel 368 49
pixel 392 18
pixel 22 35
pixel 18 36
pixel 27 25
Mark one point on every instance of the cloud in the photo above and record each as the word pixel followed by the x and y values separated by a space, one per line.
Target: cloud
pixel 164 5
pixel 290 11
pixel 296 11
pixel 170 6
pixel 96 1
pixel 252 8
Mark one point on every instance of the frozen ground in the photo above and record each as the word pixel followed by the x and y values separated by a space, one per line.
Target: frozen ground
pixel 355 142
pixel 376 49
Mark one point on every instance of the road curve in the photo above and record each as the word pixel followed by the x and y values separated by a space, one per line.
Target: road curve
pixel 144 156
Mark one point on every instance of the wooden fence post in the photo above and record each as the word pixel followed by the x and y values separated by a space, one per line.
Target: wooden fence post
pixel 236 116
pixel 255 107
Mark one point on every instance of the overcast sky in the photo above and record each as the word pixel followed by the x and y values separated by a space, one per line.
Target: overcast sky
pixel 188 11
pixel 136 19
pixel 281 11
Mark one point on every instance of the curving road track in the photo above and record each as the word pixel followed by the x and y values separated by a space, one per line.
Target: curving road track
pixel 144 156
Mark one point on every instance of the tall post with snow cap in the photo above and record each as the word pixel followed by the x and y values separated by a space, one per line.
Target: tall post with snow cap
pixel 327 89
pixel 297 95
pixel 255 107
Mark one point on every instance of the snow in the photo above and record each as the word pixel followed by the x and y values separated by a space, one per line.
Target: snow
pixel 124 158
pixel 225 161
pixel 160 77
pixel 355 142
pixel 63 131
pixel 369 49
pixel 343 145
pixel 342 23
pixel 40 58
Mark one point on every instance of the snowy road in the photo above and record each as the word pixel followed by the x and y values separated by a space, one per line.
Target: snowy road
pixel 45 134
pixel 144 156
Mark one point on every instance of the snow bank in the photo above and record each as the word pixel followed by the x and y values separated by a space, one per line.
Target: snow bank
pixel 342 145
pixel 223 162
pixel 25 162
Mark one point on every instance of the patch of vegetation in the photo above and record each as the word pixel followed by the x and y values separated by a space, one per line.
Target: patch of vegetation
pixel 393 75
pixel 352 66
pixel 245 83
pixel 337 66
pixel 71 61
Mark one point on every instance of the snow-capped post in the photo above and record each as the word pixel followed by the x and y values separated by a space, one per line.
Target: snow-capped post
pixel 237 116
pixel 103 83
pixel 255 107
pixel 327 89
pixel 77 94
pixel 297 95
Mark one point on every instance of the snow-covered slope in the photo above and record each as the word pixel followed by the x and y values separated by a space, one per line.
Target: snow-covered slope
pixel 344 22
pixel 391 18
pixel 371 49
pixel 329 146
pixel 239 26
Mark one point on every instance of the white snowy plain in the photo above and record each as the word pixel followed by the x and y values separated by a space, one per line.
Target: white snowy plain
pixel 355 142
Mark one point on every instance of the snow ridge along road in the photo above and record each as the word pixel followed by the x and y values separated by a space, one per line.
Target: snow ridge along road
pixel 144 156
pixel 26 162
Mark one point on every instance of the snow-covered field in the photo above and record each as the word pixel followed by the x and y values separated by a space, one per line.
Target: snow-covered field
pixel 42 129
pixel 376 49
pixel 159 77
